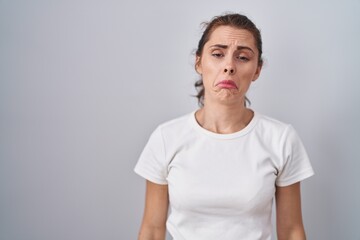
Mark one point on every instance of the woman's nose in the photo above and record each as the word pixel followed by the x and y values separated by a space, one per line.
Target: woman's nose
pixel 229 67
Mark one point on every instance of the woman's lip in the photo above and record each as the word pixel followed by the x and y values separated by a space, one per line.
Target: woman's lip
pixel 229 84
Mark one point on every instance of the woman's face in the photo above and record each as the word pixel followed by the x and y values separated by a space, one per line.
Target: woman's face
pixel 228 65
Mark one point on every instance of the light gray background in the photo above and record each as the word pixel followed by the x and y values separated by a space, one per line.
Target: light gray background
pixel 84 83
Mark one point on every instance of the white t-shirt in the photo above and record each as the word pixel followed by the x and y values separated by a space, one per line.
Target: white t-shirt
pixel 221 186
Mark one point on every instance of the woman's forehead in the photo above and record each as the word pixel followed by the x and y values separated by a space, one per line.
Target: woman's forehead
pixel 231 35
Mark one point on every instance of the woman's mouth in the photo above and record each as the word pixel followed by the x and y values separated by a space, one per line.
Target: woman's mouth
pixel 229 84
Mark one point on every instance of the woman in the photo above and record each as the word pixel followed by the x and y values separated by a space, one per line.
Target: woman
pixel 220 167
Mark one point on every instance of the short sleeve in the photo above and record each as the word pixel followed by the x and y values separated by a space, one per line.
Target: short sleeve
pixel 151 164
pixel 296 164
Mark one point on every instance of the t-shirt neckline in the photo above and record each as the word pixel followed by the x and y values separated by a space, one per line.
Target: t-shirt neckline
pixel 233 135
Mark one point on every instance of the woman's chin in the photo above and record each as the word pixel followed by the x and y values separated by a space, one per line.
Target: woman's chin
pixel 229 96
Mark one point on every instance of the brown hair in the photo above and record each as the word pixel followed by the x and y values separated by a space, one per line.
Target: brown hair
pixel 232 20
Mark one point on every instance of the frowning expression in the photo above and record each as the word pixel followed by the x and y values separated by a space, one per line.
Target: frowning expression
pixel 228 64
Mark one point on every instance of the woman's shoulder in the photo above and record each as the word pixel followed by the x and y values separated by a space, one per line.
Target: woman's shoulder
pixel 275 131
pixel 176 125
pixel 272 125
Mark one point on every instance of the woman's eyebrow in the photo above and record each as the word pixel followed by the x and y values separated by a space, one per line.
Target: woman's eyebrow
pixel 226 46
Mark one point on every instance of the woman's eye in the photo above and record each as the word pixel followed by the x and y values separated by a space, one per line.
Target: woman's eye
pixel 218 55
pixel 243 58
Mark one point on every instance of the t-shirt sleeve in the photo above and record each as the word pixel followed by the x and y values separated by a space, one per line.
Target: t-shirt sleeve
pixel 296 164
pixel 151 164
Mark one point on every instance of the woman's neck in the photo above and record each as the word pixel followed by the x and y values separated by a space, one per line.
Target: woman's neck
pixel 224 119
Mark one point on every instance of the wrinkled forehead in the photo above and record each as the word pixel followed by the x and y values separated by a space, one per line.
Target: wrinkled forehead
pixel 228 35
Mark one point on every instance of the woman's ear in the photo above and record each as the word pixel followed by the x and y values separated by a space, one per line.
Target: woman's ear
pixel 198 67
pixel 257 73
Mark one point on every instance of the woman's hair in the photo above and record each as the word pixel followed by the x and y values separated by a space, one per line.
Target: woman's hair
pixel 232 20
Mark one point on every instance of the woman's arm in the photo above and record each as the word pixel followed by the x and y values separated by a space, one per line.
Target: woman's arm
pixel 153 225
pixel 288 213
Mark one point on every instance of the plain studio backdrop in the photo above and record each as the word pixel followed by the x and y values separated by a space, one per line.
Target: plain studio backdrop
pixel 84 83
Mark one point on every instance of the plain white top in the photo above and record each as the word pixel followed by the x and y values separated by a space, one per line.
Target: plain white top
pixel 221 186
